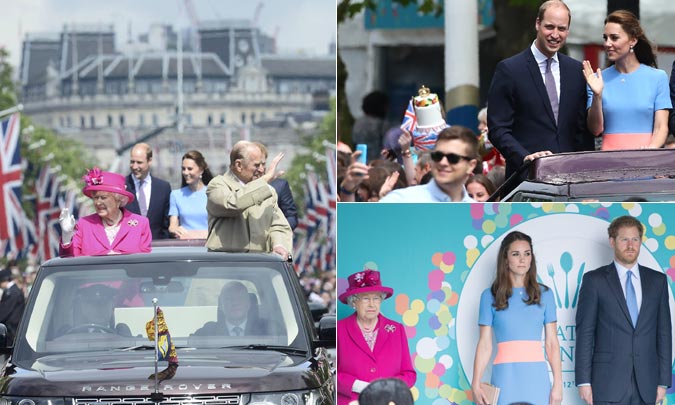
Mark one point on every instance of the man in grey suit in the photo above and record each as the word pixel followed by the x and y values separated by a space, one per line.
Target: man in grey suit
pixel 537 99
pixel 623 353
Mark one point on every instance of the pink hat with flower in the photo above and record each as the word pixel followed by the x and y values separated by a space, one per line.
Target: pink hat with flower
pixel 364 282
pixel 97 180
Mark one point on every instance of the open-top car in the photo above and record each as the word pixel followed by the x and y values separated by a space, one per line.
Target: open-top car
pixel 84 335
pixel 617 175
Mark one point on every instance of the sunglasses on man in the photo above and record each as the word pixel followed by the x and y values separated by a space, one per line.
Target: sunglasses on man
pixel 453 158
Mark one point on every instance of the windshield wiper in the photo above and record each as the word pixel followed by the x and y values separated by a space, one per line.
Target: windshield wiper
pixel 282 349
pixel 141 347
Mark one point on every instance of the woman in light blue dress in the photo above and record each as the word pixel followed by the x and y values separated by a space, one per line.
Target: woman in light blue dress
pixel 628 102
pixel 516 308
pixel 187 206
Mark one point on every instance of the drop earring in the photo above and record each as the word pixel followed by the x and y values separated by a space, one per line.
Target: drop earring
pixel 631 49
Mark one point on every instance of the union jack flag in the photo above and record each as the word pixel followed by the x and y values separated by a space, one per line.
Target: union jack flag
pixel 11 212
pixel 47 191
pixel 409 118
pixel 425 139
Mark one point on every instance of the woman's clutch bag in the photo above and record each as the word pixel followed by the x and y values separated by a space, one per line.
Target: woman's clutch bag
pixel 491 392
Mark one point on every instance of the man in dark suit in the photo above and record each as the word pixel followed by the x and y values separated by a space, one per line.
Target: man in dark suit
pixel 623 347
pixel 153 201
pixel 238 314
pixel 527 118
pixel 12 303
pixel 284 195
pixel 285 201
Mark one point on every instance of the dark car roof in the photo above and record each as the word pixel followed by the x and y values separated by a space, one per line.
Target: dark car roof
pixel 595 166
pixel 167 254
pixel 601 175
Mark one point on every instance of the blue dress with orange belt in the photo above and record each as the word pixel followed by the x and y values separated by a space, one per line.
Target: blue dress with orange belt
pixel 519 368
pixel 629 101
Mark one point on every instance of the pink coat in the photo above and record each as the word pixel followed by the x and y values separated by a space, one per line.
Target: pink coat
pixel 134 236
pixel 390 356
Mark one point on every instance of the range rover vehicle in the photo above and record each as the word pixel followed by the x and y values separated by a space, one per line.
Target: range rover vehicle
pixel 616 175
pixel 83 338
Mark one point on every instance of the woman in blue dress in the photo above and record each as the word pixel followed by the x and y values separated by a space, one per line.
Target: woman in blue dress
pixel 516 309
pixel 628 102
pixel 187 206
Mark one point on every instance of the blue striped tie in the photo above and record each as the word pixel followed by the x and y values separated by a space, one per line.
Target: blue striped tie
pixel 631 299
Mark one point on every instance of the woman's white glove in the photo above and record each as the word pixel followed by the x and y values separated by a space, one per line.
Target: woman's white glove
pixel 67 222
pixel 359 385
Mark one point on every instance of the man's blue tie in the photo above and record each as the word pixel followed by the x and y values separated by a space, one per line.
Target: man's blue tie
pixel 631 299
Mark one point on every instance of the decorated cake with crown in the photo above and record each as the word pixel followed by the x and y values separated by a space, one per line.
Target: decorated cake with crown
pixel 424 119
pixel 428 109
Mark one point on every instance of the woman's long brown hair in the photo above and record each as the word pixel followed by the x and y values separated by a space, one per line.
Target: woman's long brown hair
pixel 501 287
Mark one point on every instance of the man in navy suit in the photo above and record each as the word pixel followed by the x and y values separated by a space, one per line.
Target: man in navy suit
pixel 623 347
pixel 524 121
pixel 284 195
pixel 153 201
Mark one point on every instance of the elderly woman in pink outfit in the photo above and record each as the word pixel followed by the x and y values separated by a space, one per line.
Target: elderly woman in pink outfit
pixel 369 346
pixel 112 229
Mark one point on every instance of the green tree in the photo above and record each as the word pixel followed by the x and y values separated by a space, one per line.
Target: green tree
pixel 313 156
pixel 39 144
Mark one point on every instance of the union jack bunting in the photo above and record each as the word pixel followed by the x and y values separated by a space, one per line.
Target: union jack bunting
pixel 11 212
pixel 47 191
pixel 315 235
pixel 409 118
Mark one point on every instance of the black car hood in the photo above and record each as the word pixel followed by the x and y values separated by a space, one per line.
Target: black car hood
pixel 200 371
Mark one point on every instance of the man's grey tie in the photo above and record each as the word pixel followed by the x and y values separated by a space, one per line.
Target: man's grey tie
pixel 550 88
pixel 631 299
pixel 237 331
pixel 142 202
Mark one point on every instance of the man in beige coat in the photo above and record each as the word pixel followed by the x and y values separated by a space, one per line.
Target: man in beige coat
pixel 243 212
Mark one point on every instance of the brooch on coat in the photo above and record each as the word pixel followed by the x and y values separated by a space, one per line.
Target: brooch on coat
pixel 390 328
pixel 132 222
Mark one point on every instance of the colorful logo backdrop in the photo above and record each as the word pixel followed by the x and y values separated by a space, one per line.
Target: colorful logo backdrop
pixel 438 258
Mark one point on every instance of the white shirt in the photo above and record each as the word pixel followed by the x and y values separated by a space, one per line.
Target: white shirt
pixel 555 67
pixel 146 189
pixel 635 279
pixel 231 326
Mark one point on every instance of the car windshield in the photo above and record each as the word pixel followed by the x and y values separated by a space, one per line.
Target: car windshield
pixel 205 305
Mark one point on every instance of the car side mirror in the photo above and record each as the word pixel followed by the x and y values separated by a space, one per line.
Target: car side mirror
pixel 327 328
pixel 318 310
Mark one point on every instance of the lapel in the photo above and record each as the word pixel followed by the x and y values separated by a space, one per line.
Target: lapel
pixel 99 232
pixel 131 187
pixel 357 338
pixel 646 282
pixel 615 287
pixel 533 68
pixel 125 227
pixel 565 77
pixel 384 333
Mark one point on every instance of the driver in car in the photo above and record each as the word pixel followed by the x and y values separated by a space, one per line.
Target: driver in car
pixel 237 314
pixel 93 311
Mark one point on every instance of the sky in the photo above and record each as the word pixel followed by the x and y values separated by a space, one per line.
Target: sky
pixel 305 26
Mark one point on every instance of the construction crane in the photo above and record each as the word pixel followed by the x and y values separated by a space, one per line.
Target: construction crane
pixel 256 14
